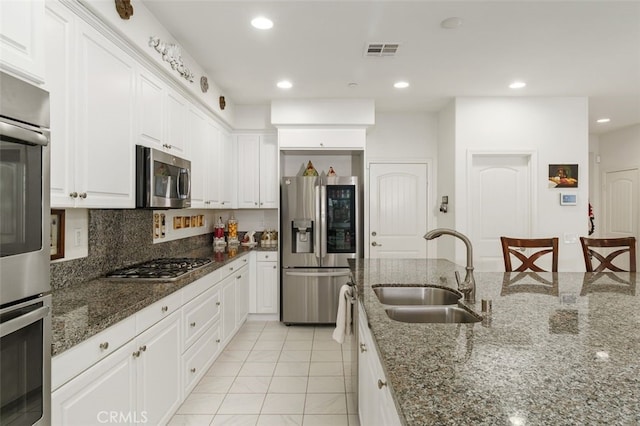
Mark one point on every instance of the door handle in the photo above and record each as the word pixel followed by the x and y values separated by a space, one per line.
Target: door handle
pixel 376 244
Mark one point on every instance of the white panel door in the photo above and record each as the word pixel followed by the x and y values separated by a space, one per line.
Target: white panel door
pixel 500 205
pixel 620 201
pixel 397 210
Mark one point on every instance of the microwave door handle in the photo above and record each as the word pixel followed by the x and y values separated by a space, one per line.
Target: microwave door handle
pixel 183 172
pixel 23 321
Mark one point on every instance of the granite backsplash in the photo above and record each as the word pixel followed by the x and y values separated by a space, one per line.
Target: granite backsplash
pixel 118 238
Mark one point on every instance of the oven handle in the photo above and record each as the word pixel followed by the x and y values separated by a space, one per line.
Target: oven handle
pixel 16 132
pixel 23 321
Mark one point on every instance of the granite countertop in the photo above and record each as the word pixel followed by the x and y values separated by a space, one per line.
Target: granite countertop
pixel 558 349
pixel 83 310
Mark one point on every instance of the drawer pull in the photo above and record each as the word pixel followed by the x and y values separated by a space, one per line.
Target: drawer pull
pixel 381 384
pixel 363 347
pixel 217 340
pixel 217 303
pixel 193 324
pixel 238 277
pixel 231 268
pixel 274 266
pixel 136 354
pixel 165 309
pixel 143 348
pixel 104 346
pixel 74 194
pixel 193 370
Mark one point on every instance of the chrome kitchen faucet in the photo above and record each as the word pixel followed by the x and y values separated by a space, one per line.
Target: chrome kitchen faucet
pixel 468 286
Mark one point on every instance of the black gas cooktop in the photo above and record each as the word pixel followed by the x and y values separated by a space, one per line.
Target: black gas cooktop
pixel 160 269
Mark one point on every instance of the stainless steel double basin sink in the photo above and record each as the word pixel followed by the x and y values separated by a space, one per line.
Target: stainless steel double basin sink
pixel 424 304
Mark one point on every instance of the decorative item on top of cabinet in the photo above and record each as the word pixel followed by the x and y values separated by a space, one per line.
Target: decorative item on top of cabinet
pixel 331 172
pixel 124 9
pixel 223 103
pixel 171 53
pixel 204 84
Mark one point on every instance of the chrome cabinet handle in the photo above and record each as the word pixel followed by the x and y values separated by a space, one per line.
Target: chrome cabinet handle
pixel 381 384
pixel 274 266
pixel 73 195
pixel 164 309
pixel 217 303
pixel 136 354
pixel 193 324
pixel 104 346
pixel 238 277
pixel 83 195
pixel 143 348
pixel 231 268
pixel 375 244
pixel 193 370
pixel 217 340
pixel 363 347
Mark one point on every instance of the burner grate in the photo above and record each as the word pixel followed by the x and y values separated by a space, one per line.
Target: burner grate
pixel 160 269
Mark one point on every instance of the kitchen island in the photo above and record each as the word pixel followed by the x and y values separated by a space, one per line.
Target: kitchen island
pixel 556 349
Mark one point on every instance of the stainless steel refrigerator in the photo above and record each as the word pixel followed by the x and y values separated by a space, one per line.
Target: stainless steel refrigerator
pixel 320 230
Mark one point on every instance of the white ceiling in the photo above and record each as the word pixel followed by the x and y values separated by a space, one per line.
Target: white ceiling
pixel 579 48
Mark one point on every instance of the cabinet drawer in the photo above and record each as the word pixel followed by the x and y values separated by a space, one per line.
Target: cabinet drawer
pixel 72 362
pixel 157 311
pixel 322 138
pixel 232 267
pixel 267 256
pixel 199 314
pixel 200 286
pixel 200 356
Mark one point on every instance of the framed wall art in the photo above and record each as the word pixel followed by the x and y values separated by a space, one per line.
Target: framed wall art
pixel 563 175
pixel 57 234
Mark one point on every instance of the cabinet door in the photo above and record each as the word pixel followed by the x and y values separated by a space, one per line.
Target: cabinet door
pixel 248 171
pixel 267 288
pixel 228 307
pixel 176 122
pixel 242 295
pixel 334 139
pixel 268 178
pixel 228 173
pixel 60 73
pixel 151 93
pixel 105 140
pixel 107 387
pixel 213 178
pixel 22 38
pixel 158 370
pixel 196 133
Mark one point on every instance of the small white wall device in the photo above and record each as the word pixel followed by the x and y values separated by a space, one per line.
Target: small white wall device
pixel 568 199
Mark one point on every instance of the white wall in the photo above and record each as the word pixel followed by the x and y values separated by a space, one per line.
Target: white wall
pixel 557 130
pixel 446 180
pixel 253 117
pixel 621 148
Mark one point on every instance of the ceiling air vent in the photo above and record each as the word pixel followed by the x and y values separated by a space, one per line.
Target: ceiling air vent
pixel 381 49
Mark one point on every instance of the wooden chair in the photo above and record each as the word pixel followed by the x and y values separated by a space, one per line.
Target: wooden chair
pixel 606 256
pixel 516 246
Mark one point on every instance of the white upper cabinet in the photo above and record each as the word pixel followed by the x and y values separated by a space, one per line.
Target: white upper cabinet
pixel 319 139
pixel 257 171
pixel 92 88
pixel 22 38
pixel 197 133
pixel 105 123
pixel 176 125
pixel 227 171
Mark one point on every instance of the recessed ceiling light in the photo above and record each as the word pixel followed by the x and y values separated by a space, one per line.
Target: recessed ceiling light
pixel 401 85
pixel 262 23
pixel 603 120
pixel 284 84
pixel 517 85
pixel 451 23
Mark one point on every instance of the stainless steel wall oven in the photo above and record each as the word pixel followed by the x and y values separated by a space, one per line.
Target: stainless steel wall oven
pixel 25 300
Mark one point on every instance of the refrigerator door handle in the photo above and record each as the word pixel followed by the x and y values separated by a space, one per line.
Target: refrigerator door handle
pixel 323 221
pixel 319 274
pixel 318 225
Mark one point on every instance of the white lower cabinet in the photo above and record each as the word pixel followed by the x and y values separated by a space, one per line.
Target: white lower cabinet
pixel 266 284
pixel 132 385
pixel 375 402
pixel 141 369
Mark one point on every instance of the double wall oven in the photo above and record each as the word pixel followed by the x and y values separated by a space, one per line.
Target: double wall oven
pixel 25 300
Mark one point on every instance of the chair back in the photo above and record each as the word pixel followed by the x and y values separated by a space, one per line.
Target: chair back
pixel 516 246
pixel 608 249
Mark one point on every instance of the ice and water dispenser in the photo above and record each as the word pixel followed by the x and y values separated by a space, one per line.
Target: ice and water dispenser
pixel 302 236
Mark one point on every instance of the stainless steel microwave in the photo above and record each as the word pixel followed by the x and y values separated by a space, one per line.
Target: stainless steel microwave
pixel 163 180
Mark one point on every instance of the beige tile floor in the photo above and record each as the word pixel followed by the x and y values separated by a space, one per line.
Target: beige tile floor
pixel 271 374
